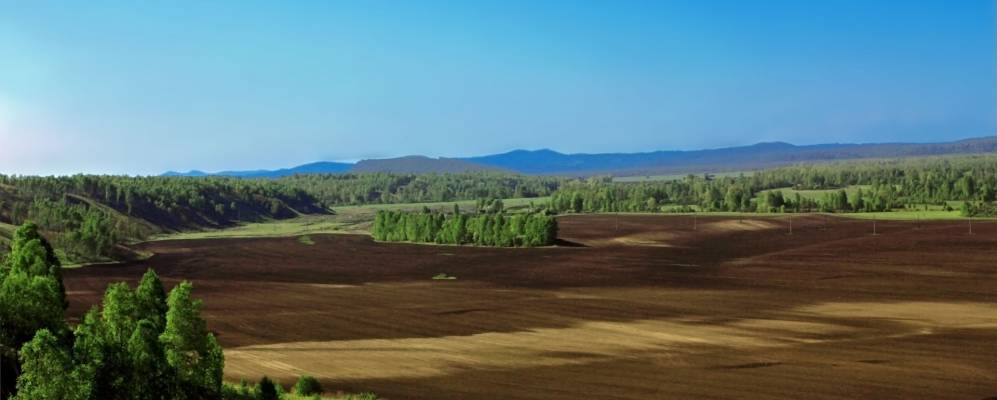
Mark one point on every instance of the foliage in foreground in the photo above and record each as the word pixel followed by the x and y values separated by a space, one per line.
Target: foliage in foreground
pixel 307 388
pixel 140 345
pixel 526 230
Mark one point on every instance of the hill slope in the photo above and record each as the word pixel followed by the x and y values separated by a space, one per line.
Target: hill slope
pixel 321 167
pixel 550 162
pixel 421 164
pixel 745 157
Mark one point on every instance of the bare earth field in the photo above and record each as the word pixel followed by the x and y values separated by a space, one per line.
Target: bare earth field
pixel 631 307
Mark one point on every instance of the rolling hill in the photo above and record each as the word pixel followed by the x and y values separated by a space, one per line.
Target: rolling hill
pixel 321 167
pixel 422 164
pixel 760 155
pixel 550 162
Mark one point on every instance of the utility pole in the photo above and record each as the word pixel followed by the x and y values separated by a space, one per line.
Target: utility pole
pixel 970 224
pixel 874 226
pixel 790 224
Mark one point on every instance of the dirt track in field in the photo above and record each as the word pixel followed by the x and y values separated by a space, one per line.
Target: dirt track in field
pixel 632 307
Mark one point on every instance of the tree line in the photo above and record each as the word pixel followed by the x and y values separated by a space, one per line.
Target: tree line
pixel 492 229
pixel 881 186
pixel 388 188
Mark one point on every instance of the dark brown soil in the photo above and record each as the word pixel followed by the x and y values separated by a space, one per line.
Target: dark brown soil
pixel 636 307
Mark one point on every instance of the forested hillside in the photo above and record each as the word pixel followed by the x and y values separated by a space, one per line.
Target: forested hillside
pixel 384 188
pixel 86 216
pixel 875 186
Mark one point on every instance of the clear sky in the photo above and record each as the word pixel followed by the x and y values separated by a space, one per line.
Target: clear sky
pixel 140 87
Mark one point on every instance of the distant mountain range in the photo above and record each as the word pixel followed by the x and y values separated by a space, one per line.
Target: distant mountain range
pixel 421 164
pixel 549 162
pixel 322 167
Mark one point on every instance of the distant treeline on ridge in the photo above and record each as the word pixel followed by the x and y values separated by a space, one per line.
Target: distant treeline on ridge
pixel 843 187
pixel 87 216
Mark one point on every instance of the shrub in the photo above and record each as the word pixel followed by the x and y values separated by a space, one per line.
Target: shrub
pixel 307 385
pixel 268 389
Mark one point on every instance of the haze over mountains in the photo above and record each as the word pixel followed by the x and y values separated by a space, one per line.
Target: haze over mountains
pixel 550 162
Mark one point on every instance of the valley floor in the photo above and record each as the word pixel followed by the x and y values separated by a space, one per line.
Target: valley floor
pixel 631 307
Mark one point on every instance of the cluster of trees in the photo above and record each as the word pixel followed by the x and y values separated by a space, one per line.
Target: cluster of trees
pixel 493 229
pixel 885 185
pixel 84 232
pixel 876 198
pixel 141 344
pixel 384 188
pixel 978 209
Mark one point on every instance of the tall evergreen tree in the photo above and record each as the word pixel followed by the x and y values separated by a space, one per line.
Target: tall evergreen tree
pixel 190 349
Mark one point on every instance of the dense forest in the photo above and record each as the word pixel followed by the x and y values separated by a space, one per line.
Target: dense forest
pixel 86 215
pixel 486 229
pixel 384 188
pixel 847 187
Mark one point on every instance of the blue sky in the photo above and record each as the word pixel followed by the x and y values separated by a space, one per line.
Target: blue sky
pixel 143 87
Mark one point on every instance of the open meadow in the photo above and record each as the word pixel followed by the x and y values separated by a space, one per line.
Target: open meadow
pixel 628 307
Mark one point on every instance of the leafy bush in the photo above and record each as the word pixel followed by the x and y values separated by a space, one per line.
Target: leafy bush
pixel 268 389
pixel 307 385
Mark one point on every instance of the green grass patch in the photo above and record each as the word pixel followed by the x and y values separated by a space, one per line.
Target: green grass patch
pixel 465 205
pixel 444 277
pixel 306 240
pixel 905 215
pixel 298 226
pixel 345 219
